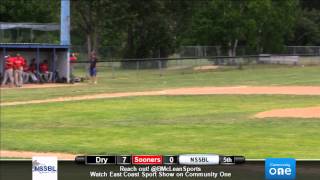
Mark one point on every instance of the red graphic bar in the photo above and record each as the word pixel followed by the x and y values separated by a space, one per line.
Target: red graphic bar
pixel 147 159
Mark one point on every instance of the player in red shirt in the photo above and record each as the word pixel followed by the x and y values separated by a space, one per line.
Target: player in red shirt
pixel 44 68
pixel 8 72
pixel 29 73
pixel 44 71
pixel 18 64
pixel 73 58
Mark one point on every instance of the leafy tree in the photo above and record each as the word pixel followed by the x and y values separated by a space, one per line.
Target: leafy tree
pixel 29 11
pixel 310 4
pixel 221 23
pixel 155 28
pixel 180 13
pixel 37 11
pixel 88 18
pixel 146 29
pixel 278 26
pixel 307 29
pixel 261 24
pixel 142 29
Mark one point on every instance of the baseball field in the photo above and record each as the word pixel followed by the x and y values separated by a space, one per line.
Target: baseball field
pixel 181 111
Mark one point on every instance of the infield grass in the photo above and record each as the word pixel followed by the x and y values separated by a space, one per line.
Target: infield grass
pixel 164 125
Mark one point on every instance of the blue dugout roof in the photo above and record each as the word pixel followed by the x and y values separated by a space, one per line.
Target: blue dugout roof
pixel 33 46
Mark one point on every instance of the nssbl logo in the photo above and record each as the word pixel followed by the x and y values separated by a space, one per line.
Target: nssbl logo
pixel 280 168
pixel 44 168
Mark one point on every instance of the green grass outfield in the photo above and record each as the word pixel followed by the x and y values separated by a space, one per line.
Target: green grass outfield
pixel 143 80
pixel 164 125
pixel 167 125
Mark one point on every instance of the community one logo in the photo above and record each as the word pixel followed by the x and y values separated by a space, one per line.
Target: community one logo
pixel 44 168
pixel 280 168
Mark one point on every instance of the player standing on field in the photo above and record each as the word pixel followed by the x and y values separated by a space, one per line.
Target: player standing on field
pixel 19 62
pixel 73 58
pixel 8 72
pixel 93 67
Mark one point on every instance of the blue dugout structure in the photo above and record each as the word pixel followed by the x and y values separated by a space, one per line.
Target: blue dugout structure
pixel 57 56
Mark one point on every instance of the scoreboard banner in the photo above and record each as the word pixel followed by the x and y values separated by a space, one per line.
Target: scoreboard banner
pixel 184 166
pixel 185 159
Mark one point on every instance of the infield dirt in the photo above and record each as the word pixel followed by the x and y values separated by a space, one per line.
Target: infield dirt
pixel 235 90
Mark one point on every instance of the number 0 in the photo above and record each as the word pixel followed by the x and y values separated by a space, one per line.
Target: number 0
pixel 171 159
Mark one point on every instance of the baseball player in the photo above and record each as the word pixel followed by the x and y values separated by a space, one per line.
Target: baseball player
pixel 18 64
pixel 8 73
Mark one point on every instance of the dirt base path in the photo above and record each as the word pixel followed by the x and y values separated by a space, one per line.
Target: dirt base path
pixel 310 112
pixel 29 154
pixel 245 90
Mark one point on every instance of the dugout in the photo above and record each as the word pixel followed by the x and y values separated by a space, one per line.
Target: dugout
pixel 57 56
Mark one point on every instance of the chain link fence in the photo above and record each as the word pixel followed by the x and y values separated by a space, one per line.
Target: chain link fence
pixel 204 51
pixel 188 59
pixel 157 68
pixel 303 50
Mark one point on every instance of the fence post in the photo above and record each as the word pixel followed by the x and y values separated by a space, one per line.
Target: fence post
pixel 86 70
pixel 112 70
pixel 137 67
pixel 181 65
pixel 160 67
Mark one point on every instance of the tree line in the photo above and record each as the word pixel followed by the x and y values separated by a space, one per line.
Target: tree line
pixel 155 28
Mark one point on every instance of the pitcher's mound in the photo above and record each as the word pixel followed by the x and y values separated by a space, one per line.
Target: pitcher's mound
pixel 310 112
